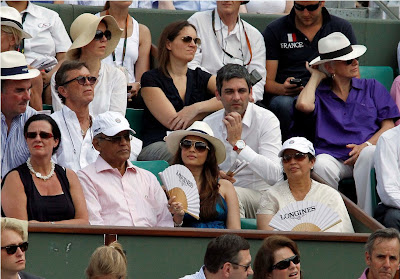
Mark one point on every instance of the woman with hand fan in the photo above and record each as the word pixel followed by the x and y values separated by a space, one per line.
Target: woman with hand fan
pixel 298 158
pixel 198 150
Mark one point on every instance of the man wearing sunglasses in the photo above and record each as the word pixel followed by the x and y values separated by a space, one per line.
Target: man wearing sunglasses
pixel 250 133
pixel 16 83
pixel 227 257
pixel 290 41
pixel 116 192
pixel 229 39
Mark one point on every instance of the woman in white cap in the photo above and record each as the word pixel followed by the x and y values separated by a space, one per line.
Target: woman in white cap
pixel 95 38
pixel 349 115
pixel 198 149
pixel 298 158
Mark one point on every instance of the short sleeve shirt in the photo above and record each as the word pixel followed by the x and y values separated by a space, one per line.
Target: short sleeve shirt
pixel 196 91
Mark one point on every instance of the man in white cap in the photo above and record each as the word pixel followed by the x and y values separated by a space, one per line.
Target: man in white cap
pixel 116 192
pixel 15 95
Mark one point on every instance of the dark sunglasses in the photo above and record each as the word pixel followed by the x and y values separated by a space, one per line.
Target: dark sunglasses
pixel 198 145
pixel 43 135
pixel 117 139
pixel 11 249
pixel 189 39
pixel 286 263
pixel 350 61
pixel 310 8
pixel 299 156
pixel 99 35
pixel 246 267
pixel 82 80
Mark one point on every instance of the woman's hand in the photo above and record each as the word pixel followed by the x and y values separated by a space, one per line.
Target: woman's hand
pixel 176 208
pixel 183 118
pixel 354 153
pixel 133 92
pixel 314 70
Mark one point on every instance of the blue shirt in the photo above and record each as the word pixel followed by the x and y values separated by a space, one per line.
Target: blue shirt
pixel 14 150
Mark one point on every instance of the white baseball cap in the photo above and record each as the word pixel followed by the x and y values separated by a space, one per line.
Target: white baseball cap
pixel 110 123
pixel 298 143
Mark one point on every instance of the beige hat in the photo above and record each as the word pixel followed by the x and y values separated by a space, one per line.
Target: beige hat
pixel 11 17
pixel 83 30
pixel 200 129
pixel 14 66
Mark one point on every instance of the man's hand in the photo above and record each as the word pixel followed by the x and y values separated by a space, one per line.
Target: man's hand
pixel 354 153
pixel 291 89
pixel 233 123
pixel 223 175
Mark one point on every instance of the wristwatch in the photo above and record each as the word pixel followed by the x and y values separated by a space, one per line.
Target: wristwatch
pixel 240 144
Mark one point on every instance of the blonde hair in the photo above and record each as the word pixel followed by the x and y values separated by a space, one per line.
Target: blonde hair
pixel 108 260
pixel 19 226
pixel 12 31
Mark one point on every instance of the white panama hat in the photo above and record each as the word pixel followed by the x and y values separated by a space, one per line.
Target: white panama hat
pixel 337 47
pixel 14 66
pixel 200 129
pixel 11 17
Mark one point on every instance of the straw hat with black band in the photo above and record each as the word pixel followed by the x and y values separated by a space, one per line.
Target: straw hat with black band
pixel 200 129
pixel 14 66
pixel 83 30
pixel 11 17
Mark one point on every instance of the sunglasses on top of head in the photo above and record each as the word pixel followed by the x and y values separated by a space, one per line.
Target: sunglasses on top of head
pixel 299 156
pixel 189 39
pixel 11 249
pixel 198 145
pixel 286 262
pixel 43 135
pixel 309 8
pixel 82 80
pixel 99 35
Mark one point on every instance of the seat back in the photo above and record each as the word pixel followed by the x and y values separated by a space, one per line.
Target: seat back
pixel 47 107
pixel 375 199
pixel 383 74
pixel 152 166
pixel 134 117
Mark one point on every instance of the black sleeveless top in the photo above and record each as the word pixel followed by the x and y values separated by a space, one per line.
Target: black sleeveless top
pixel 46 208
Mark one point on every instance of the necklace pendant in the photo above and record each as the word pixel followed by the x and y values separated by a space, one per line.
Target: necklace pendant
pixel 38 175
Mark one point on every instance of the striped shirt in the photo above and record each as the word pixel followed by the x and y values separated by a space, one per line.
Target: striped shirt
pixel 197 275
pixel 14 150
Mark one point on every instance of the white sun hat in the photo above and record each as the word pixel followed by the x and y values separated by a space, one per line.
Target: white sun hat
pixel 11 17
pixel 336 46
pixel 14 66
pixel 298 143
pixel 110 123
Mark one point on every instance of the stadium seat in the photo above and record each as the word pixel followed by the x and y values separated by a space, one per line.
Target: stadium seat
pixel 374 194
pixel 248 224
pixel 152 166
pixel 47 107
pixel 383 74
pixel 134 117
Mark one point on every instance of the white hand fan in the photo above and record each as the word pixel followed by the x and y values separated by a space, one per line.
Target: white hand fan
pixel 308 216
pixel 180 182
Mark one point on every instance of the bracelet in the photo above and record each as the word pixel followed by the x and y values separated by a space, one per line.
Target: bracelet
pixel 368 143
pixel 178 225
pixel 51 222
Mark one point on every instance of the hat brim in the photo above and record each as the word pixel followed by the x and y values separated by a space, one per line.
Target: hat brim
pixel 110 132
pixel 302 150
pixel 88 34
pixel 32 73
pixel 24 34
pixel 175 138
pixel 358 50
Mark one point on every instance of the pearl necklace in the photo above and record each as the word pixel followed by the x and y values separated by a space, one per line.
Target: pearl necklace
pixel 38 174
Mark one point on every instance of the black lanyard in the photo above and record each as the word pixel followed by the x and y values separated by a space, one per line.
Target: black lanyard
pixel 21 46
pixel 126 36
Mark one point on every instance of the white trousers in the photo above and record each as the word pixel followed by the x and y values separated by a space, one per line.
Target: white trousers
pixel 249 201
pixel 330 171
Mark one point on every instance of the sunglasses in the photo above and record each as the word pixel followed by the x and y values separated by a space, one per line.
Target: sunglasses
pixel 43 135
pixel 200 146
pixel 189 39
pixel 246 267
pixel 82 80
pixel 11 249
pixel 299 156
pixel 286 262
pixel 117 139
pixel 310 8
pixel 350 61
pixel 99 35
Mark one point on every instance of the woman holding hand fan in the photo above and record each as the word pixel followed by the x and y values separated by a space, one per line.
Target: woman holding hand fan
pixel 298 158
pixel 198 150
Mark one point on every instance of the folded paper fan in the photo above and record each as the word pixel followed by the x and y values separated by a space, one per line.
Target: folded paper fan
pixel 180 182
pixel 309 216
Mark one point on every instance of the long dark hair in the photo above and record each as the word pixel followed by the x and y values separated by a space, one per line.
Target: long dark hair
pixel 169 34
pixel 209 188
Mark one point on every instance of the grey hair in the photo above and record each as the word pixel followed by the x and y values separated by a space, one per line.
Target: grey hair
pixel 381 234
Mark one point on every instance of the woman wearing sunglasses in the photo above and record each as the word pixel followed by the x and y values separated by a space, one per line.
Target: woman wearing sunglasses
pixel 40 190
pixel 198 150
pixel 349 115
pixel 277 258
pixel 14 244
pixel 95 38
pixel 175 96
pixel 298 158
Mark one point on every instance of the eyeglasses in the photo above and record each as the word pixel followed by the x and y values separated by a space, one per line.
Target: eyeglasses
pixel 310 8
pixel 286 262
pixel 299 156
pixel 200 146
pixel 189 39
pixel 350 61
pixel 82 80
pixel 11 249
pixel 99 35
pixel 246 267
pixel 117 139
pixel 43 135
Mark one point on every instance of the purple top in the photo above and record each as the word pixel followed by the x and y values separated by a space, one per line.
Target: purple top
pixel 339 123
